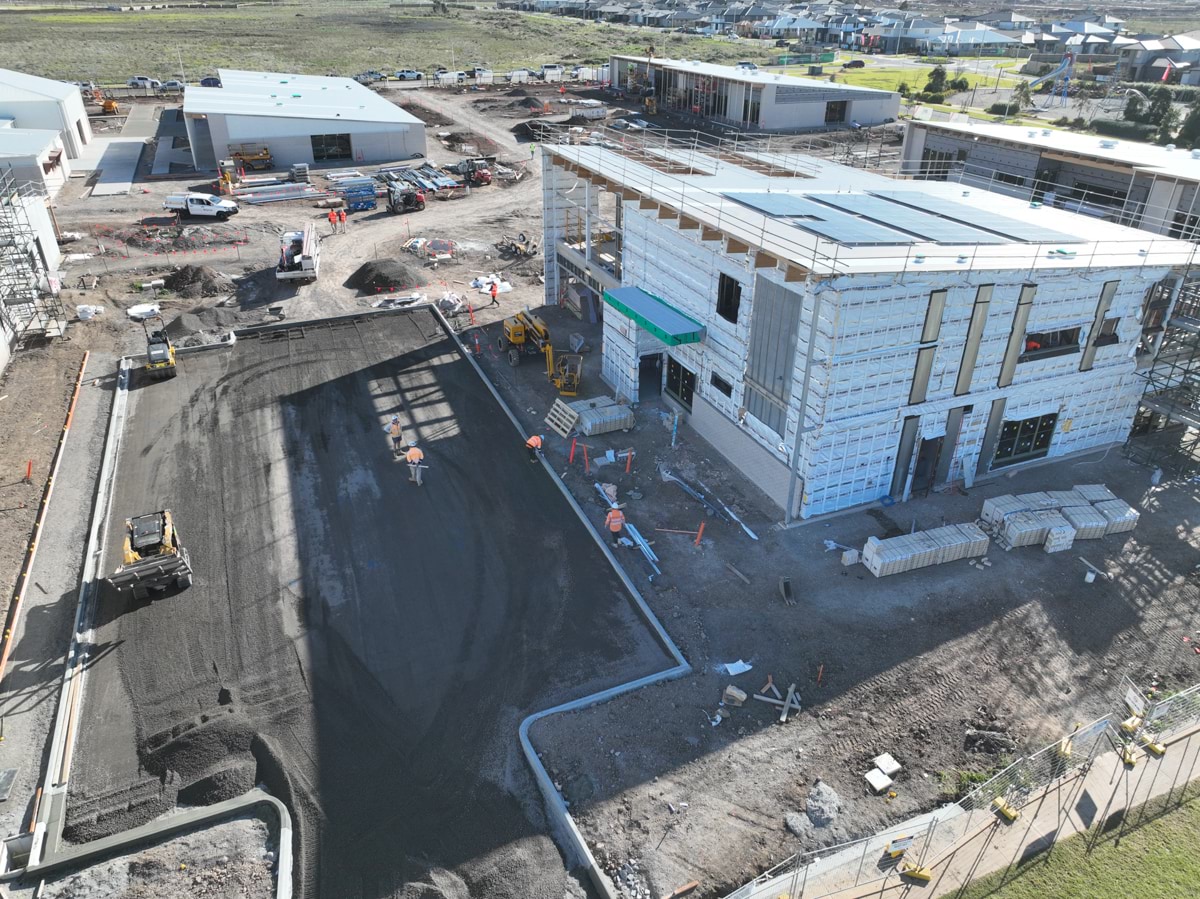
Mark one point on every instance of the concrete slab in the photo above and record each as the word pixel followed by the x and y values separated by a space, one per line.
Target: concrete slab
pixel 142 120
pixel 363 646
pixel 165 155
pixel 116 158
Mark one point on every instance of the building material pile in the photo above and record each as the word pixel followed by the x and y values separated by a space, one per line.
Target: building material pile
pixel 1089 524
pixel 1056 518
pixel 1032 528
pixel 1120 515
pixel 934 547
pixel 602 416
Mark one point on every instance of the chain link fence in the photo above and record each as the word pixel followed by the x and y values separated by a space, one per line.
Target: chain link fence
pixel 835 869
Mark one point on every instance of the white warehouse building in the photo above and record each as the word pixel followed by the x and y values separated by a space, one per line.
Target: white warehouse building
pixel 300 118
pixel 750 100
pixel 842 337
pixel 43 104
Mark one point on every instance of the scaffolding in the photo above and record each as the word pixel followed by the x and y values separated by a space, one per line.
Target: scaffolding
pixel 29 306
pixel 1166 427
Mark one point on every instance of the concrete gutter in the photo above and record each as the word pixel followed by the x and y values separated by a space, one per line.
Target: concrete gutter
pixel 563 826
pixel 46 852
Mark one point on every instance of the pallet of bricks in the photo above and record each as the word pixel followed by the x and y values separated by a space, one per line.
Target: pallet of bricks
pixel 917 550
pixel 1055 519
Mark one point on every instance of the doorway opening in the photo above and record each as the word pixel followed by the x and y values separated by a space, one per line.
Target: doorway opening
pixel 650 377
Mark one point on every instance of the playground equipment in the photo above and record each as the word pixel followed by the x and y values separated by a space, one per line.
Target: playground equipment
pixel 1061 76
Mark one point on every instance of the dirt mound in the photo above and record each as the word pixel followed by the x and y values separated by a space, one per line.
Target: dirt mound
pixel 517 92
pixel 198 281
pixel 385 276
pixel 200 319
pixel 221 785
pixel 173 237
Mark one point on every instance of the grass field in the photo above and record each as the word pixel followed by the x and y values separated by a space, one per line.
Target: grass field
pixel 890 78
pixel 318 38
pixel 1152 854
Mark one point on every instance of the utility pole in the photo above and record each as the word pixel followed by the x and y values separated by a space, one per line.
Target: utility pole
pixel 182 73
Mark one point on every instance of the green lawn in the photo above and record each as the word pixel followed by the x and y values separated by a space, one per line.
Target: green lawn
pixel 319 37
pixel 1152 856
pixel 889 78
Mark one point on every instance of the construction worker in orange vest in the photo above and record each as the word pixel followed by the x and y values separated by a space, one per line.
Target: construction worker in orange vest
pixel 615 519
pixel 414 457
pixel 342 219
pixel 397 433
pixel 534 445
pixel 332 221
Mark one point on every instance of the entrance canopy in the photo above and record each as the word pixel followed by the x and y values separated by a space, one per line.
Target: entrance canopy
pixel 656 315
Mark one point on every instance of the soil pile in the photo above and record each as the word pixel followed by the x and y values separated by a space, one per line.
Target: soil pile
pixel 386 276
pixel 202 319
pixel 517 92
pixel 198 281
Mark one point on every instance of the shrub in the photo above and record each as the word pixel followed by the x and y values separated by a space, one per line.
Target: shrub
pixel 1079 123
pixel 1127 130
pixel 1061 122
pixel 1004 108
pixel 959 84
pixel 935 98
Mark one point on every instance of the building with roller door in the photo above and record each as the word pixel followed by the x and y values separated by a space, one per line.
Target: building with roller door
pixel 300 118
pixel 748 99
pixel 43 104
pixel 840 336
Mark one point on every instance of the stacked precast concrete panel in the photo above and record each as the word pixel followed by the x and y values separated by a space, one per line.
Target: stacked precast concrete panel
pixel 867 323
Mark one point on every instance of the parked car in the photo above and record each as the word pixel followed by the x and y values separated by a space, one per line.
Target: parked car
pixel 210 81
pixel 409 75
pixel 854 64
pixel 173 85
pixel 85 85
pixel 748 66
pixel 370 77
pixel 144 81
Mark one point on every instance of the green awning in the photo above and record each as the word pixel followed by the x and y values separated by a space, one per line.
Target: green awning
pixel 656 315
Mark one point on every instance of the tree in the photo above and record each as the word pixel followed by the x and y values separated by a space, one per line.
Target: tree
pixel 937 81
pixel 1160 105
pixel 1167 126
pixel 903 89
pixel 1134 111
pixel 1189 134
pixel 1022 96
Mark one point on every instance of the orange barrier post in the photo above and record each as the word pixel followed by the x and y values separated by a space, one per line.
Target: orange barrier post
pixel 628 460
pixel 820 672
pixel 587 468
pixel 29 472
pixel 699 534
pixel 571 456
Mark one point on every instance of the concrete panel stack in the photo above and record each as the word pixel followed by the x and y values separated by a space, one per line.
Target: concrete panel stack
pixel 1121 516
pixel 1033 502
pixel 1032 528
pixel 1095 493
pixel 600 419
pixel 1088 523
pixel 1064 498
pixel 934 547
pixel 1059 538
pixel 997 508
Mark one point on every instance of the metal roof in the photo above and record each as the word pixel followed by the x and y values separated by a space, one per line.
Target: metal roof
pixel 25 141
pixel 656 315
pixel 32 84
pixel 282 95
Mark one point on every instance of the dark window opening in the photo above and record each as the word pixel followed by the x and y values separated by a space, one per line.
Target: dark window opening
pixel 935 165
pixel 329 147
pixel 1185 227
pixel 1096 194
pixel 729 298
pixel 1047 344
pixel 1005 178
pixel 721 384
pixel 960 156
pixel 835 111
pixel 1021 441
pixel 681 383
pixel 1108 333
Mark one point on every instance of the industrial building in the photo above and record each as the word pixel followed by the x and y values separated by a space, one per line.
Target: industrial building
pixel 840 336
pixel 1140 185
pixel 34 156
pixel 748 99
pixel 44 104
pixel 299 118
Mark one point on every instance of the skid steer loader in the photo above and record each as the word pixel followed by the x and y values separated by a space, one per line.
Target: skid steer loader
pixel 153 558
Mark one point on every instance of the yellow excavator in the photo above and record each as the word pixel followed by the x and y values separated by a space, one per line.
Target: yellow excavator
pixel 152 556
pixel 527 334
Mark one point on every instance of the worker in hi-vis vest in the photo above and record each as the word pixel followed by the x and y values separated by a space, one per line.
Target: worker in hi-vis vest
pixel 414 457
pixel 534 445
pixel 615 519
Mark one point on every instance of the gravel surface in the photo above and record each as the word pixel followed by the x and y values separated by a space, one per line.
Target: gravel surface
pixel 233 860
pixel 363 647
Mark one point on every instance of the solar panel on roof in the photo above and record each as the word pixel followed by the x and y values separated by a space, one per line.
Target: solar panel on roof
pixel 819 219
pixel 987 221
pixel 923 224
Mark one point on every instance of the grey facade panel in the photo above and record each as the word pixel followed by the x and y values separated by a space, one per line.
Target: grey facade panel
pixel 771 357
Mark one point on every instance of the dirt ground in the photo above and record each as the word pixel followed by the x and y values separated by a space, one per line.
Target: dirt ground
pixel 905 664
pixel 232 860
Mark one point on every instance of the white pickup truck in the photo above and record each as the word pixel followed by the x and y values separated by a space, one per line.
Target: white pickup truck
pixel 201 204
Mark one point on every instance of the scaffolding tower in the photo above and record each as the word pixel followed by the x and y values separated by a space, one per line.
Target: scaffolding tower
pixel 1166 427
pixel 30 308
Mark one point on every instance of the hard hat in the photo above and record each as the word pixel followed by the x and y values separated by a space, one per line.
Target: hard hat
pixel 412 443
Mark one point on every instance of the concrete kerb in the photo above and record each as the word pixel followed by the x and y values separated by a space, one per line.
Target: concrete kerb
pixel 563 825
pixel 51 811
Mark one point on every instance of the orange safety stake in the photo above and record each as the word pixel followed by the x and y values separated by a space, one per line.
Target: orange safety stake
pixel 587 468
pixel 820 673
pixel 699 534
pixel 29 472
pixel 628 460
pixel 471 314
pixel 571 457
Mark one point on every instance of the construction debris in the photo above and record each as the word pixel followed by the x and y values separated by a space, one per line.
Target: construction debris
pixel 877 780
pixel 887 764
pixel 733 696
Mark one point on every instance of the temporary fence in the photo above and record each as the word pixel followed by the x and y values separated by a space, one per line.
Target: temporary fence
pixel 832 870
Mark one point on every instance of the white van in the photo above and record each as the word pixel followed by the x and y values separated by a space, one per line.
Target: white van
pixel 551 73
pixel 201 204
